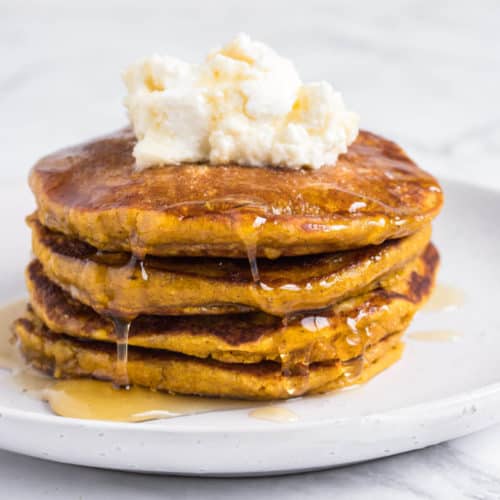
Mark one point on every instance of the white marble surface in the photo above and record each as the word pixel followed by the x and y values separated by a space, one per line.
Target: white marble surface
pixel 465 469
pixel 424 73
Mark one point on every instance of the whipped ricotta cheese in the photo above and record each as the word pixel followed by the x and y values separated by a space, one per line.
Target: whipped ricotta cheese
pixel 244 105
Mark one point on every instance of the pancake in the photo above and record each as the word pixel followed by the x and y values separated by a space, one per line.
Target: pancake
pixel 171 286
pixel 344 331
pixel 63 357
pixel 92 192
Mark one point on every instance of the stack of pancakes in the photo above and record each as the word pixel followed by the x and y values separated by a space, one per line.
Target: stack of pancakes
pixel 257 283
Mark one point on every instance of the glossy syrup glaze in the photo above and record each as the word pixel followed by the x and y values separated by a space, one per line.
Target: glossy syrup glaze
pixel 10 358
pixel 436 336
pixel 100 174
pixel 445 298
pixel 23 376
pixel 122 330
pixel 374 192
pixel 97 400
pixel 277 414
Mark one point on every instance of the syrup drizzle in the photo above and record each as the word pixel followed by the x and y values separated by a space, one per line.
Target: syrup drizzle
pixel 70 171
pixel 20 374
pixel 122 330
pixel 97 400
pixel 132 265
pixel 436 336
pixel 144 272
pixel 295 369
pixel 10 358
pixel 249 238
pixel 8 355
pixel 277 414
pixel 31 382
pixel 252 261
pixel 445 298
pixel 294 363
pixel 122 326
pixel 353 368
pixel 356 342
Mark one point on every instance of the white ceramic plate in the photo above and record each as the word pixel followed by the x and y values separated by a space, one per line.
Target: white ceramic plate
pixel 439 391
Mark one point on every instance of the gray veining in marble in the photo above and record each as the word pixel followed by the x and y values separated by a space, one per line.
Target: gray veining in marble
pixel 426 73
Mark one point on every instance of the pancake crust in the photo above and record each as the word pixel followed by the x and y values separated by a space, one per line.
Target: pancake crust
pixel 343 331
pixel 174 286
pixel 64 357
pixel 92 192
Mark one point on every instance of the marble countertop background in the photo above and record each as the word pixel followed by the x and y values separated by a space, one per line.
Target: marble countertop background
pixel 426 74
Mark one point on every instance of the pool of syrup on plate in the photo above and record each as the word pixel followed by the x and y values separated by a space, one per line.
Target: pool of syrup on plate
pixel 100 400
pixel 443 298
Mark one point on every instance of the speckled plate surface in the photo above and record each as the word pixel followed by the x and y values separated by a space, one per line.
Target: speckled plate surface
pixel 443 388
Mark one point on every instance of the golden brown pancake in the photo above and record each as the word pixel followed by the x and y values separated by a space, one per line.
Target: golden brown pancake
pixel 93 193
pixel 166 286
pixel 344 331
pixel 63 357
pixel 169 248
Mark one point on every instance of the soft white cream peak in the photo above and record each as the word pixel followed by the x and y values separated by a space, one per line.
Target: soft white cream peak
pixel 244 105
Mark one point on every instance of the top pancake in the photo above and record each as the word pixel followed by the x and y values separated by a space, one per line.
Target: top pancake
pixel 92 192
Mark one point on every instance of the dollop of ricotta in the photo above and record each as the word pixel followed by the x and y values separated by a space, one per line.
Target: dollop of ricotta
pixel 244 105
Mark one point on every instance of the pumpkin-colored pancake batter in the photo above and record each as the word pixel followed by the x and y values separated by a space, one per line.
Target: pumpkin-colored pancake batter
pixel 92 192
pixel 111 283
pixel 342 331
pixel 62 357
